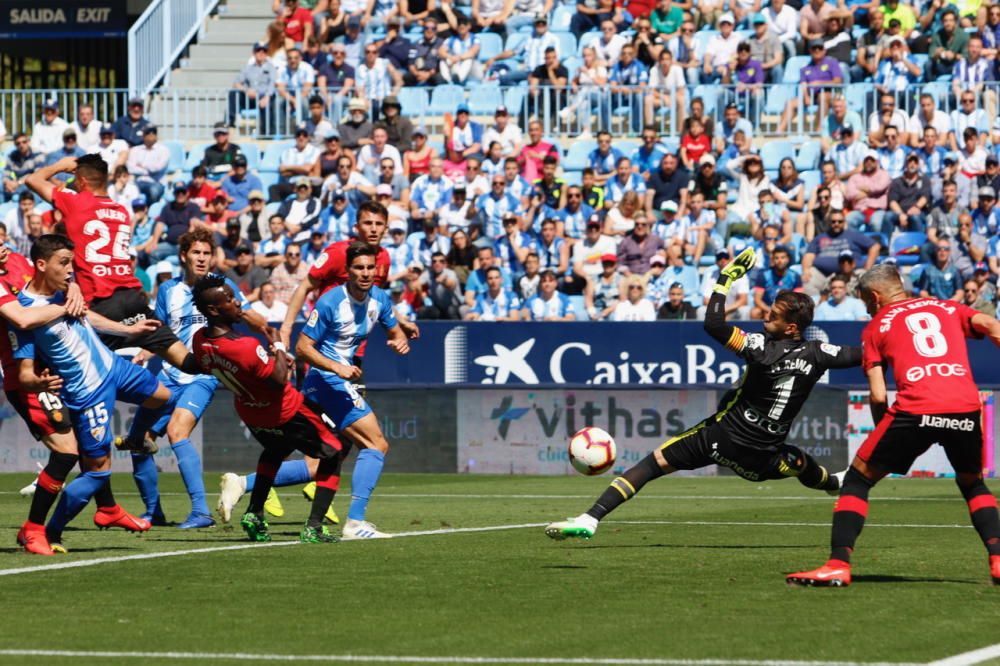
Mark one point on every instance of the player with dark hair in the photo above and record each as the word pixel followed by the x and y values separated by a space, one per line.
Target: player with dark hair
pixel 937 402
pixel 91 378
pixel 748 434
pixel 341 321
pixel 279 417
pixel 190 394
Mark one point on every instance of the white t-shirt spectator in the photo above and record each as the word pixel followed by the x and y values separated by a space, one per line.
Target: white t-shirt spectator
pixel 590 255
pixel 47 137
pixel 672 80
pixel 941 122
pixel 609 52
pixel 644 310
pixel 276 312
pixel 87 138
pixel 510 137
pixel 110 152
pixel 295 157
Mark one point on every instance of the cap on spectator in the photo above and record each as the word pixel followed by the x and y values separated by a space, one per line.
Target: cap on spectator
pixel 846 255
pixel 913 157
pixel 332 135
pixel 338 47
pixel 870 155
pixel 459 185
pixel 991 160
pixel 987 192
pixel 707 158
pixel 339 195
pixel 107 130
pixel 669 206
pixel 397 287
pixel 658 260
pixel 243 249
pixel 149 129
pixel 240 161
pixel 847 129
pixel 256 195
pixel 51 104
pixel 501 111
pixel 813 43
pixel 302 180
pixel 594 223
pixel 259 46
pixel 609 259
pixel 180 186
pixel 950 156
pixel 758 18
pixel 895 39
pixel 136 101
pixel 462 108
pixel 383 189
pixel 354 22
pixel 139 202
pixel 69 132
pixel 541 17
pixel 301 131
pixel 421 130
pixel 391 100
pixel 416 265
pixel 356 104
pixel 397 225
pixel 722 254
pixel 164 267
pixel 727 18
pixel 981 267
pixel 220 128
pixel 233 223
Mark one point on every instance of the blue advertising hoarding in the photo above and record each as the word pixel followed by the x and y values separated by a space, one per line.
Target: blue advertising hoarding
pixel 61 19
pixel 675 354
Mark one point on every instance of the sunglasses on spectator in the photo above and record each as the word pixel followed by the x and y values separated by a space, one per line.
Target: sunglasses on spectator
pixel 371 50
pixel 944 248
pixel 770 238
pixel 634 286
pixel 836 220
pixel 824 197
pixel 574 196
pixel 437 261
pixel 642 224
pixel 968 100
pixel 293 254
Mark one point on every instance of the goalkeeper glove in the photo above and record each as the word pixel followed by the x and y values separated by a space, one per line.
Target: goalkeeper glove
pixel 734 270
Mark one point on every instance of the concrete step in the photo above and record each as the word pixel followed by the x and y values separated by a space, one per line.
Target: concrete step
pixel 184 78
pixel 245 39
pixel 256 10
pixel 236 23
pixel 219 64
pixel 241 52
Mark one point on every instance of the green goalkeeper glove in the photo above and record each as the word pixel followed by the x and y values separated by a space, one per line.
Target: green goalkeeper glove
pixel 734 270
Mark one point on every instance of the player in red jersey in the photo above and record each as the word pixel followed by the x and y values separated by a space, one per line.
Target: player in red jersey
pixel 279 417
pixel 101 231
pixel 937 402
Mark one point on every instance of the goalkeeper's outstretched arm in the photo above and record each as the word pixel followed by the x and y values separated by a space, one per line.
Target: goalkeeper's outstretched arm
pixel 715 317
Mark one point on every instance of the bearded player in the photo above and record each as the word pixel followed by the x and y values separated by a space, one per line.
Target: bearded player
pixel 937 402
pixel 748 434
pixel 279 417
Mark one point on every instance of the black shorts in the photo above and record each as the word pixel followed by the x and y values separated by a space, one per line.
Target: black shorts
pixel 902 437
pixel 308 432
pixel 44 413
pixel 128 306
pixel 708 443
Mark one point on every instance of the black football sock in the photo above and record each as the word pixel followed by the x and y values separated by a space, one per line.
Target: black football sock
pixel 327 483
pixel 50 482
pixel 814 475
pixel 983 511
pixel 104 498
pixel 267 469
pixel 849 514
pixel 626 486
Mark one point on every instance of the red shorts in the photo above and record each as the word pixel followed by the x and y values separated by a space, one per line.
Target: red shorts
pixel 44 413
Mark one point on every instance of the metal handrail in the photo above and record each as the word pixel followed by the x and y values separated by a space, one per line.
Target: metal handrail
pixel 158 38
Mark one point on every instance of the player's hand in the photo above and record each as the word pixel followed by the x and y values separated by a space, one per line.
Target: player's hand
pixel 144 326
pixel 141 357
pixel 66 164
pixel 272 335
pixel 399 346
pixel 75 305
pixel 46 383
pixel 411 330
pixel 348 372
pixel 736 269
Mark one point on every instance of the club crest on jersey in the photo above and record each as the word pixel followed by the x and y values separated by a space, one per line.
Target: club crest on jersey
pixel 321 260
pixel 97 433
pixel 755 341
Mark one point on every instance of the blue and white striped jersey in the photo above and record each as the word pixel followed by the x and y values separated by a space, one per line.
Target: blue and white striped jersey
pixel 175 308
pixel 69 347
pixel 340 324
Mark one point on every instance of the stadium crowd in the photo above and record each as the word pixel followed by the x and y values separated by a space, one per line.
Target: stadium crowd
pixel 493 220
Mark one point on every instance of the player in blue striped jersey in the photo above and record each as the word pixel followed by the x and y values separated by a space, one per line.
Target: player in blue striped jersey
pixel 93 377
pixel 342 320
pixel 190 394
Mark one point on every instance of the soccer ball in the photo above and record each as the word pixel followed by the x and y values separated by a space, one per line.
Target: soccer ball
pixel 592 451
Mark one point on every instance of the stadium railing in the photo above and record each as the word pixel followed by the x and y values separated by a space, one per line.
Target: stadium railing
pixel 158 37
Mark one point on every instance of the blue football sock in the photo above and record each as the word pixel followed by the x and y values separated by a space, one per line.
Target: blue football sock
pixel 74 497
pixel 291 473
pixel 367 471
pixel 189 463
pixel 146 480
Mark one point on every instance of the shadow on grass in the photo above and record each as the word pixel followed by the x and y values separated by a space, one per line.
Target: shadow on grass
pixel 890 578
pixel 732 546
pixel 73 551
pixel 563 566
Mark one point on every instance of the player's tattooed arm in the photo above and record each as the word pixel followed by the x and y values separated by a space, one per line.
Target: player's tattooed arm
pixel 878 399
pixel 307 352
pixel 32 382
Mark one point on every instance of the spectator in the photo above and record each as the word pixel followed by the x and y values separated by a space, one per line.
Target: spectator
pixel 625 180
pixel 972 298
pixel 287 275
pixel 694 144
pixel 972 73
pixel 298 24
pixel 766 48
pixel 603 290
pixel 297 160
pixel 773 280
pixel 313 55
pixel 532 157
pixel 675 306
pixel 514 244
pixel 648 44
pixel 494 205
pixel 737 306
pixel 275 41
pixel 496 303
pixel 548 304
pixel 430 192
pixel 129 127
pixel 646 158
pixel 635 306
pixel 370 156
pixel 686 53
pixel 553 79
pixel 847 154
pixel 752 180
pixel 424 61
pixel 638 247
pixel 668 183
pixel 867 193
pixel 459 54
pixel 681 273
pixel 784 22
pixel 627 80
pixel 816 83
pixel 248 276
pixel 897 69
pixel 838 41
pixel 398 127
pixel 476 283
pixel 142 227
pixel 985 215
pixel 592 14
pixel 269 307
pixel 790 191
pixel 887 116
pixel 254 88
pixel 593 194
pixel 892 156
pixel 337 76
pixel 667 90
pixel 219 157
pixel 352 40
pixel 837 119
pixel 16 219
pixel 148 162
pixel 394 47
pixel 948 45
pixel 440 285
pixel 747 77
pixel 47 133
pixel 720 50
pixel 122 190
pixel 87 129
pixel 376 78
pixel 177 218
pixel 338 218
pixel 69 148
pixel 253 223
pixel 271 250
pixel 620 220
pixel 200 190
pixel 603 159
pixel 113 151
pixel 588 253
pixel 531 52
pixel 943 223
pixel 457 212
pixel 227 245
pixel 466 135
pixel 21 162
pixel 461 257
pixel 940 279
pixel 416 162
pixel 971 165
pixel 732 122
pixel 316 123
pixel 549 191
pixel 505 132
pixel 294 83
pixel 300 212
pixel 399 186
pixel 839 306
pixel 849 270
pixel 356 131
pixel 822 256
pixel 909 200
pixel 928 116
pixel 216 214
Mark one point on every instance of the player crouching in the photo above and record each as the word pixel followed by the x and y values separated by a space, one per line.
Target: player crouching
pixel 279 417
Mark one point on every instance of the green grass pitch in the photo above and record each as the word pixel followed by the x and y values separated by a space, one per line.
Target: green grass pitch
pixel 690 569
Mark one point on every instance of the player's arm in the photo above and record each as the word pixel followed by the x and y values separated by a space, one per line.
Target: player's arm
pixel 105 325
pixel 295 307
pixel 256 322
pixel 281 372
pixel 398 338
pixel 40 180
pixel 306 350
pixel 35 383
pixel 987 326
pixel 878 397
pixel 844 357
pixel 715 318
pixel 28 318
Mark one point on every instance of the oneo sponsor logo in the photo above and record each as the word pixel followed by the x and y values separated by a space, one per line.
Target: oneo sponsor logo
pixel 919 372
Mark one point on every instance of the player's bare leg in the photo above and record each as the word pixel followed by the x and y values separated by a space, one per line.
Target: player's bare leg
pixel 367 435
pixel 63 457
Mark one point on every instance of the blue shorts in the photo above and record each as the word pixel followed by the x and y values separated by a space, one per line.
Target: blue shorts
pixel 92 417
pixel 194 397
pixel 337 397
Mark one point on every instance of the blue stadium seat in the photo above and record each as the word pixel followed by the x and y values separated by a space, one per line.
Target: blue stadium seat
pixel 514 99
pixel 778 98
pixel 572 177
pixel 272 156
pixel 154 210
pixel 903 244
pixel 567 44
pixel 490 45
pixel 176 149
pixel 882 240
pixel 627 146
pixel 586 39
pixel 576 156
pixel 671 145
pixel 793 66
pixel 252 152
pixel 811 180
pixel 561 18
pixel 579 308
pixel 514 39
pixel 486 99
pixel 709 94
pixel 413 100
pixel 572 65
pixel 194 158
pixel 915 274
pixel 701 39
pixel 808 155
pixel 772 152
pixel 856 94
pixel 940 90
pixel 445 98
pixel 7 207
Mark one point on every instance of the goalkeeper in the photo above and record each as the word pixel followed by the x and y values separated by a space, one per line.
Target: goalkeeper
pixel 748 433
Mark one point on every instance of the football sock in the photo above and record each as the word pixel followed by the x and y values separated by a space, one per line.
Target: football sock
pixel 327 484
pixel 267 468
pixel 143 420
pixel 814 475
pixel 291 473
pixel 146 478
pixel 367 470
pixel 849 514
pixel 50 482
pixel 75 496
pixel 626 486
pixel 983 511
pixel 104 498
pixel 189 463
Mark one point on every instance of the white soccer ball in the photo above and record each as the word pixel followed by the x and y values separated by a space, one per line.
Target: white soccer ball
pixel 592 451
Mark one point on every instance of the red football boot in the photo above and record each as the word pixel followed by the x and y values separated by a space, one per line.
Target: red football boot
pixel 116 516
pixel 835 573
pixel 32 538
pixel 995 568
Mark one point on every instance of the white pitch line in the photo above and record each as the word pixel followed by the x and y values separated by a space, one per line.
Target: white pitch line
pixel 737 523
pixel 971 657
pixel 398 659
